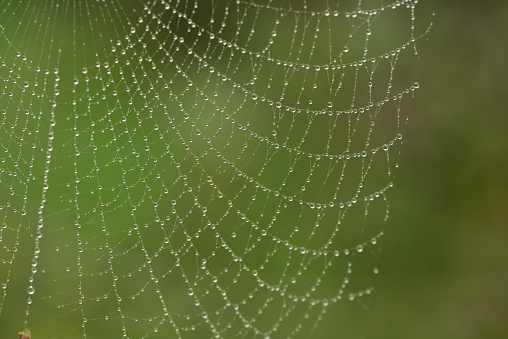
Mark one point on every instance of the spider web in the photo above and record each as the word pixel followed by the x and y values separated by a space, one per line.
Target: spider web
pixel 196 169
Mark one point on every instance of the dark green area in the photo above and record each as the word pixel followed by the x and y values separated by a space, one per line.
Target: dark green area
pixel 444 260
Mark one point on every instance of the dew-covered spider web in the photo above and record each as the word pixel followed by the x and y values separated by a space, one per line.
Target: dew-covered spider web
pixel 197 169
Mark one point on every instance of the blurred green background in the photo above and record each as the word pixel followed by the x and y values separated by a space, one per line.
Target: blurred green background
pixel 445 254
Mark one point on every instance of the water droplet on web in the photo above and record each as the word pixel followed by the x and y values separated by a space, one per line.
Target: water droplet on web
pixel 30 290
pixel 190 291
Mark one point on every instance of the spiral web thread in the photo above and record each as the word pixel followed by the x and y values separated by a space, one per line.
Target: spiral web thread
pixel 193 168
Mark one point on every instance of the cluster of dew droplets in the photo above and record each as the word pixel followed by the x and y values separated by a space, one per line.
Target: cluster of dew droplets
pixel 142 127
